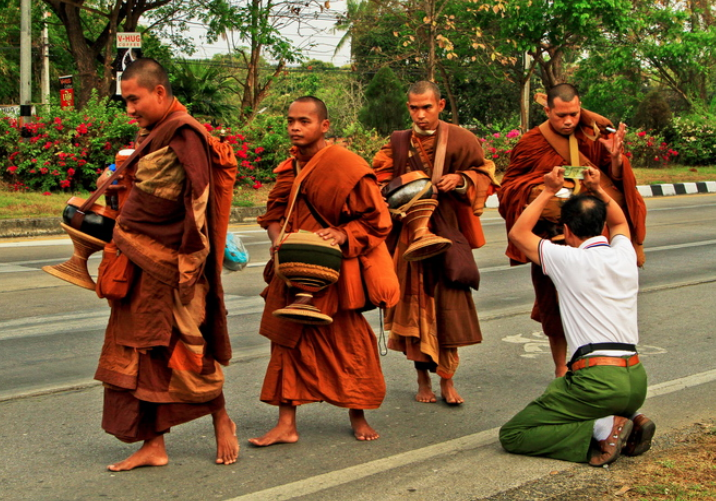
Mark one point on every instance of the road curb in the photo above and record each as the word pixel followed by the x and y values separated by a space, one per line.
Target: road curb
pixel 46 226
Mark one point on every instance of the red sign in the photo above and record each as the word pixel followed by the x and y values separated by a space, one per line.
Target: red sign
pixel 67 92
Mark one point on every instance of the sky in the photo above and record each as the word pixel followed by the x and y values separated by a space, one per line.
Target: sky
pixel 315 38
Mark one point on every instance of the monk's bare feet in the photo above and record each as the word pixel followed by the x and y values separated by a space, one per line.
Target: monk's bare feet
pixel 278 435
pixel 227 445
pixel 285 432
pixel 425 388
pixel 449 393
pixel 361 429
pixel 152 453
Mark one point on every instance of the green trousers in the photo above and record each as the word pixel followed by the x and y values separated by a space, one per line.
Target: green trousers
pixel 559 423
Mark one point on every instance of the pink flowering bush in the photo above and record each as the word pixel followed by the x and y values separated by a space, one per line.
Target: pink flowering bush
pixel 648 149
pixel 247 156
pixel 65 150
pixel 498 146
pixel 62 150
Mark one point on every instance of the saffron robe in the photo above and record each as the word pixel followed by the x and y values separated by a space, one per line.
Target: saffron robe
pixel 433 317
pixel 530 160
pixel 164 341
pixel 337 363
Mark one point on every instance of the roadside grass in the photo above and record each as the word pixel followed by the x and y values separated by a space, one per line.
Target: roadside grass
pixel 686 471
pixel 675 174
pixel 14 205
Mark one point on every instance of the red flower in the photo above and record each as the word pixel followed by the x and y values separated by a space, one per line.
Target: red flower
pixel 641 133
pixel 208 127
pixel 55 172
pixel 259 150
pixel 81 162
pixel 12 169
pixel 257 185
pixel 48 145
pixel 70 172
pixel 107 146
pixel 44 170
pixel 13 155
pixel 65 183
pixel 241 154
pixel 47 193
pixel 82 129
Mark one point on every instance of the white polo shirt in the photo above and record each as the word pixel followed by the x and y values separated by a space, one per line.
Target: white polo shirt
pixel 597 284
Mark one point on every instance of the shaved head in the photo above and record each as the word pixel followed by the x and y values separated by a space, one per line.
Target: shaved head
pixel 425 87
pixel 321 109
pixel 566 92
pixel 148 73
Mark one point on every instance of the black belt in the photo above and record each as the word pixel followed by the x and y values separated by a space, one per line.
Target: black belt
pixel 591 347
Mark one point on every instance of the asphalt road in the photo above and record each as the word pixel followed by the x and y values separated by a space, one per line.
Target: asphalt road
pixel 51 445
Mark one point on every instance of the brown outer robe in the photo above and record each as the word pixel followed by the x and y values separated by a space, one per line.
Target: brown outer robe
pixel 338 363
pixel 433 317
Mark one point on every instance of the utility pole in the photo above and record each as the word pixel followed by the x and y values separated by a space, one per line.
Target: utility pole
pixel 45 61
pixel 25 61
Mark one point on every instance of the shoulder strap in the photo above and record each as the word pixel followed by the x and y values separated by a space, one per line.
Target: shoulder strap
pixel 400 145
pixel 568 150
pixel 440 151
pixel 295 190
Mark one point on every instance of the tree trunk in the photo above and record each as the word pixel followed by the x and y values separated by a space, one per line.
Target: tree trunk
pixel 451 97
pixel 432 31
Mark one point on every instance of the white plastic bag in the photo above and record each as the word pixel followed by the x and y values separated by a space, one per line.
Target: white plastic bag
pixel 236 256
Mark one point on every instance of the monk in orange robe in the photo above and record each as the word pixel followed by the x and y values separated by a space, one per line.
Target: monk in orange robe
pixel 339 200
pixel 436 316
pixel 165 341
pixel 532 158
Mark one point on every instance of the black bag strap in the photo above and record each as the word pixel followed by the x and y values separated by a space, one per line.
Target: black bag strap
pixel 591 347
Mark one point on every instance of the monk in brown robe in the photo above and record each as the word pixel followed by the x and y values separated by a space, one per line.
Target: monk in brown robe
pixel 166 338
pixel 533 157
pixel 435 316
pixel 339 200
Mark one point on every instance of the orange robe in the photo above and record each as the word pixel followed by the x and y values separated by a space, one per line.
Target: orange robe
pixel 338 363
pixel 165 340
pixel 434 317
pixel 530 160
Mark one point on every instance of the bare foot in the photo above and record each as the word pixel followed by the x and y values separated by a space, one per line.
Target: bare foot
pixel 361 429
pixel 280 434
pixel 425 388
pixel 227 445
pixel 449 393
pixel 285 432
pixel 152 453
